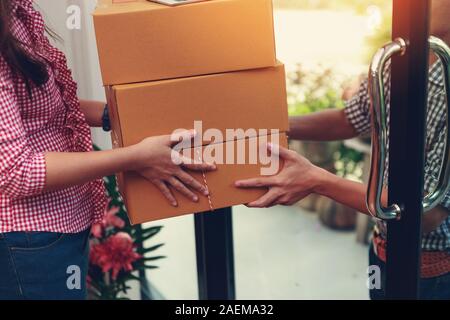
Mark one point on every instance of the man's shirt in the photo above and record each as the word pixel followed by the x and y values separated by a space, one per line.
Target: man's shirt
pixel 358 113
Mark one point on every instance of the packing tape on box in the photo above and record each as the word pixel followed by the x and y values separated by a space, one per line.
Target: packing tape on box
pixel 205 181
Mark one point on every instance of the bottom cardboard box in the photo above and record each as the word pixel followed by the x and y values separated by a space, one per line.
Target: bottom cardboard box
pixel 241 159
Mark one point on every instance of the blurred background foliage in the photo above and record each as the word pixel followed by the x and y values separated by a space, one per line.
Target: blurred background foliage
pixel 314 89
pixel 319 87
pixel 359 6
pixel 379 13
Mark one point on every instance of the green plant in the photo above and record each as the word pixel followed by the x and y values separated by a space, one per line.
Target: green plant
pixel 118 254
pixel 312 90
pixel 348 163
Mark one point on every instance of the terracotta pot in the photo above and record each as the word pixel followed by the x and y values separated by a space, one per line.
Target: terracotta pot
pixel 335 215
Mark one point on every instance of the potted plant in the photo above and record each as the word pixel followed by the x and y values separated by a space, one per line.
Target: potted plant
pixel 118 254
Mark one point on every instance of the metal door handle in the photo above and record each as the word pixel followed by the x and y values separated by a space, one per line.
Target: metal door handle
pixel 379 131
pixel 431 200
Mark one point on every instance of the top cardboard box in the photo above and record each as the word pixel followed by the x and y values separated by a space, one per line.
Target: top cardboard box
pixel 144 41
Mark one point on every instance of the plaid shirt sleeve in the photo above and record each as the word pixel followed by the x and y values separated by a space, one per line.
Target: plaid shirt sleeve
pixel 436 140
pixel 433 164
pixel 357 110
pixel 22 171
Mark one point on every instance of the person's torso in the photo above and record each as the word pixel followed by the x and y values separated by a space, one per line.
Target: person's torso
pixel 52 122
pixel 436 126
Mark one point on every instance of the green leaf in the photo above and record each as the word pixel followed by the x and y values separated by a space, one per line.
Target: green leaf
pixel 153 248
pixel 148 232
pixel 154 258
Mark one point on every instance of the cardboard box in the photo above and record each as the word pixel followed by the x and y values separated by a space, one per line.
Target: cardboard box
pixel 251 99
pixel 143 41
pixel 146 203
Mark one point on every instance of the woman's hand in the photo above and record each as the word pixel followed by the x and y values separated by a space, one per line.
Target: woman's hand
pixel 297 179
pixel 155 162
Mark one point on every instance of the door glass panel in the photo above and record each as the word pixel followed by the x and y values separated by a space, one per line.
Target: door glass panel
pixel 316 249
pixel 176 276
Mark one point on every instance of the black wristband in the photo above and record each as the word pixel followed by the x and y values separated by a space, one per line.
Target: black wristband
pixel 106 123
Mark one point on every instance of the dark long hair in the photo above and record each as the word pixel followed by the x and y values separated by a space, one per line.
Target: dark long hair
pixel 21 62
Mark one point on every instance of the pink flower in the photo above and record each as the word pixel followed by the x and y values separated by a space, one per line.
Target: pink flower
pixel 88 280
pixel 117 253
pixel 97 230
pixel 110 219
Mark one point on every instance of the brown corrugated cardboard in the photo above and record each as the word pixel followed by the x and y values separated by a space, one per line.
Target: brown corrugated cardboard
pixel 144 41
pixel 251 99
pixel 146 203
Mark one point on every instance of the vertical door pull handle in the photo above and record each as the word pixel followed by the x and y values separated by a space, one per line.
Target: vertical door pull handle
pixel 435 197
pixel 379 131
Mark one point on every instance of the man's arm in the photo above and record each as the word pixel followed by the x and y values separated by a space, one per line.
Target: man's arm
pixel 328 125
pixel 353 195
pixel 93 111
pixel 336 124
pixel 300 178
pixel 349 193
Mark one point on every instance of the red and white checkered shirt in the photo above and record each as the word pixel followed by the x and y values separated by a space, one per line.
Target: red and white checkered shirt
pixel 50 121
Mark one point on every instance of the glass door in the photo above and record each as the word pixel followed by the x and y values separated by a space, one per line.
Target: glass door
pixel 407 140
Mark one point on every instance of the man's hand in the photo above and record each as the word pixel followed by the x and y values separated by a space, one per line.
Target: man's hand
pixel 298 179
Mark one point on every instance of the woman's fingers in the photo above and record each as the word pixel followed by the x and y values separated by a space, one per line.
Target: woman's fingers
pixel 256 182
pixel 189 180
pixel 266 200
pixel 166 192
pixel 180 187
pixel 182 136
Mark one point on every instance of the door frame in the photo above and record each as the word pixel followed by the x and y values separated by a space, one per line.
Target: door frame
pixel 215 255
pixel 409 90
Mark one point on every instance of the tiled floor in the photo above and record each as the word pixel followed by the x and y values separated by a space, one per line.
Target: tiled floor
pixel 280 253
pixel 287 254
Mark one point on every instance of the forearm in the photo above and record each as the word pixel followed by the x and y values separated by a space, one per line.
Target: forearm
pixel 65 170
pixel 353 194
pixel 93 111
pixel 349 193
pixel 328 125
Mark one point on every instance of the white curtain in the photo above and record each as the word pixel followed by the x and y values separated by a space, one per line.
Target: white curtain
pixel 80 48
